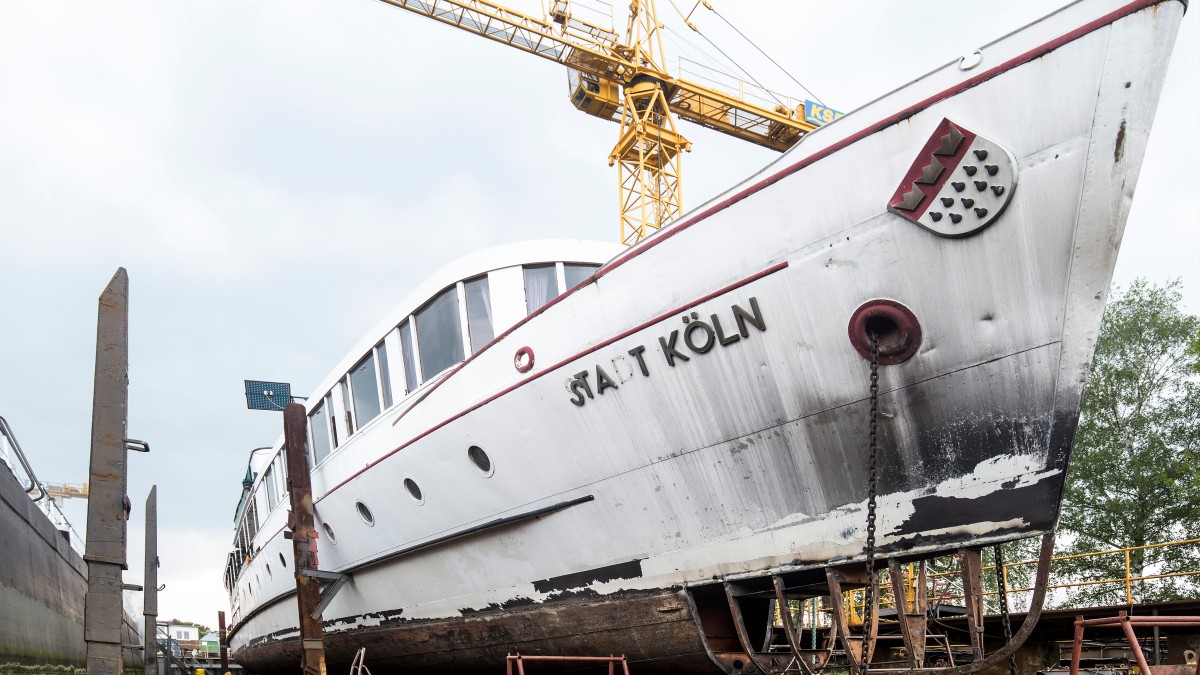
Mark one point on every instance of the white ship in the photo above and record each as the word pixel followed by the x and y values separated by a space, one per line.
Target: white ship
pixel 568 448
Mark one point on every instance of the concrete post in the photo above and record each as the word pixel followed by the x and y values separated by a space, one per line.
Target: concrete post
pixel 107 503
pixel 150 592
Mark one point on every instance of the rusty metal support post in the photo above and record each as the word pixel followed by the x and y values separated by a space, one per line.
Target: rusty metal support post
pixel 301 521
pixel 1157 640
pixel 1077 646
pixel 1134 645
pixel 221 638
pixel 792 631
pixel 972 573
pixel 150 590
pixel 739 627
pixel 871 631
pixel 107 503
pixel 913 622
pixel 855 648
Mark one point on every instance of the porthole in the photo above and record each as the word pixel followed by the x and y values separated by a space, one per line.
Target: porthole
pixel 414 490
pixel 283 561
pixel 480 459
pixel 365 513
pixel 269 572
pixel 329 533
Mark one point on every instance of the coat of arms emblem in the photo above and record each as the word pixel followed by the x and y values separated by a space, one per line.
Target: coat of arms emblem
pixel 959 184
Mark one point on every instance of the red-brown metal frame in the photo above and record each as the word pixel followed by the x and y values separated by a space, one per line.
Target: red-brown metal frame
pixel 612 662
pixel 1127 623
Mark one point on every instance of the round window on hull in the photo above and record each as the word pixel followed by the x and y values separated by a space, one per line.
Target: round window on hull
pixel 329 532
pixel 480 459
pixel 414 490
pixel 365 513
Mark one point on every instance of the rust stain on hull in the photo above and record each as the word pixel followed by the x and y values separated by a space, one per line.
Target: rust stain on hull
pixel 654 629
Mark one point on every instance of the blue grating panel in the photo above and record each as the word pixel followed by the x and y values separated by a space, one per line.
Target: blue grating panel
pixel 267 395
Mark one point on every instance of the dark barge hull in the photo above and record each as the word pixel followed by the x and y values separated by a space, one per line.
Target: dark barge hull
pixel 42 586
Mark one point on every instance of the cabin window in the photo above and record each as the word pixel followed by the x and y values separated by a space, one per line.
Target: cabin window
pixel 365 390
pixel 272 494
pixel 331 419
pixel 385 376
pixel 282 477
pixel 577 273
pixel 541 285
pixel 410 358
pixel 248 527
pixel 347 414
pixel 479 313
pixel 319 432
pixel 439 333
pixel 251 521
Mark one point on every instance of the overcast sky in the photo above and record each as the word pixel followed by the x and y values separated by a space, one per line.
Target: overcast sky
pixel 276 175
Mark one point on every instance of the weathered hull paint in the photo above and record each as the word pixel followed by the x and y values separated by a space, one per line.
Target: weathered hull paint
pixel 699 459
pixel 654 629
pixel 42 586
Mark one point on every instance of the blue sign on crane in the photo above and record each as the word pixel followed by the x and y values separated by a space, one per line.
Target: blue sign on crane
pixel 819 114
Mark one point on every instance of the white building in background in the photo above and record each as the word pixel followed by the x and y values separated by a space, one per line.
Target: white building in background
pixel 182 632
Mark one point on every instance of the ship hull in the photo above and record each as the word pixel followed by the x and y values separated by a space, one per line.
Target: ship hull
pixel 698 413
pixel 655 630
pixel 43 582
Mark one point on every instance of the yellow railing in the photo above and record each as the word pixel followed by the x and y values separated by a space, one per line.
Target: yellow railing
pixel 854 599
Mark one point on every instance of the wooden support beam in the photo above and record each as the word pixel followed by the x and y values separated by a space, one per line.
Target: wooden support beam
pixel 222 639
pixel 302 522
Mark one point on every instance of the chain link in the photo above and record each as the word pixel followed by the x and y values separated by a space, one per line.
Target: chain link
pixel 872 477
pixel 1002 593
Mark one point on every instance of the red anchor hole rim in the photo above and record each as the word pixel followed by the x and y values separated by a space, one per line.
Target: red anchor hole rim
pixel 897 328
pixel 523 360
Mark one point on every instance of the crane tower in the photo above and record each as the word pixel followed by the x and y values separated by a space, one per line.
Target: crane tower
pixel 621 78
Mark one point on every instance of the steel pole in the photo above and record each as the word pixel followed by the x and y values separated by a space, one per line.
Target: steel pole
pixel 222 637
pixel 1077 646
pixel 1157 643
pixel 107 502
pixel 1134 645
pixel 304 538
pixel 150 591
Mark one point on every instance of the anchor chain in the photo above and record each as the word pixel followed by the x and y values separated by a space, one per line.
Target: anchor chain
pixel 1002 593
pixel 872 478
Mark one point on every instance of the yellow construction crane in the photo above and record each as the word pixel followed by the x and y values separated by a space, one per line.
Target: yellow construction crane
pixel 622 79
pixel 66 490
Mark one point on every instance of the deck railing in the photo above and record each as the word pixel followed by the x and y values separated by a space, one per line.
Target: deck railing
pixel 1127 580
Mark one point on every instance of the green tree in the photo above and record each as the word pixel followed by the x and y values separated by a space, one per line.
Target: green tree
pixel 1134 477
